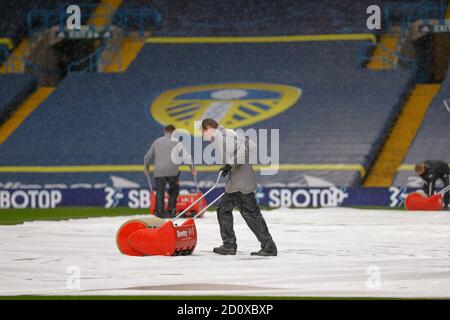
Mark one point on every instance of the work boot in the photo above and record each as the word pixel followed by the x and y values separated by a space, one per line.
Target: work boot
pixel 223 250
pixel 265 253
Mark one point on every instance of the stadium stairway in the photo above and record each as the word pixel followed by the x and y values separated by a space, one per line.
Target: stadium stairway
pixel 14 64
pixel 128 51
pixel 23 111
pixel 104 12
pixel 401 136
pixel 382 57
pixel 14 89
pixel 447 13
pixel 431 141
pixel 6 45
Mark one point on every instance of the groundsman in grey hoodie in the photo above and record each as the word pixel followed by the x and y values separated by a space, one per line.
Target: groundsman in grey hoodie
pixel 166 170
pixel 234 152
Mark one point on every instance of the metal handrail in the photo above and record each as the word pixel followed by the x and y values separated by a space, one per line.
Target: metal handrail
pixel 388 58
pixel 91 59
pixel 4 53
pixel 38 20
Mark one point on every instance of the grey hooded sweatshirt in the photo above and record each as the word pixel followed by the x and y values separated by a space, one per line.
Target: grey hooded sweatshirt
pixel 160 153
pixel 234 149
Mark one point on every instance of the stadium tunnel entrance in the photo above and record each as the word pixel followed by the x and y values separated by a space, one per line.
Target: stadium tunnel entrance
pixel 51 60
pixel 70 51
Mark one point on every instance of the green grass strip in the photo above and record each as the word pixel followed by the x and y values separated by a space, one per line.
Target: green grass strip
pixel 18 216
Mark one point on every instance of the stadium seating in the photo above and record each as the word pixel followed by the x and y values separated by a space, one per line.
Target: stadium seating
pixel 14 88
pixel 283 17
pixel 13 15
pixel 432 141
pixel 227 17
pixel 105 119
pixel 133 17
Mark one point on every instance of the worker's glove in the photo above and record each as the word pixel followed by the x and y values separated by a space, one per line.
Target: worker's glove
pixel 225 170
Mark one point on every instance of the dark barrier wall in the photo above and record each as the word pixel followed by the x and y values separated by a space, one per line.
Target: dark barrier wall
pixel 110 197
pixel 432 52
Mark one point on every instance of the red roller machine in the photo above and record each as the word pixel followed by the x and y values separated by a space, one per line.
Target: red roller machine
pixel 417 201
pixel 156 236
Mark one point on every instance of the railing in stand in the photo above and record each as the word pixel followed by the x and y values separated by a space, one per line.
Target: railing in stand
pixel 4 53
pixel 16 64
pixel 88 63
pixel 128 19
pixel 389 59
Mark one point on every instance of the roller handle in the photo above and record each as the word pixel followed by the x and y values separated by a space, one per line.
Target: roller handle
pixel 149 182
pixel 209 205
pixel 447 188
pixel 196 182
pixel 204 195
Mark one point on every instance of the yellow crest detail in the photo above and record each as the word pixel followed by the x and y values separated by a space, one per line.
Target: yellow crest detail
pixel 233 105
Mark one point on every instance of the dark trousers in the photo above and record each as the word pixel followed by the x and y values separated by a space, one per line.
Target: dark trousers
pixel 246 203
pixel 174 188
pixel 430 188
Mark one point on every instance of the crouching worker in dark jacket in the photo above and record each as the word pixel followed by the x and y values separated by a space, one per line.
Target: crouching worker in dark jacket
pixel 166 171
pixel 431 171
pixel 239 189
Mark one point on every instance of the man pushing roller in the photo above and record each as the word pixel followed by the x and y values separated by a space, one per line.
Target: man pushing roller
pixel 239 189
pixel 432 170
